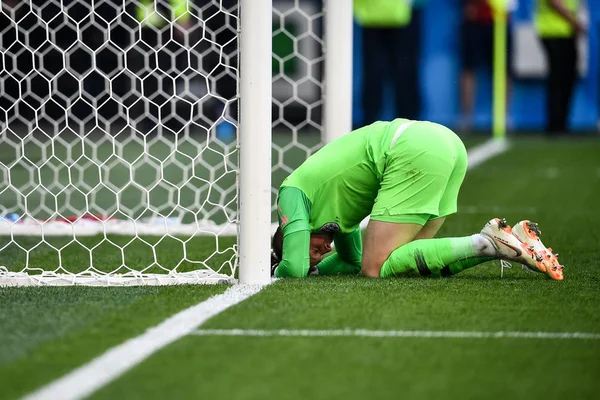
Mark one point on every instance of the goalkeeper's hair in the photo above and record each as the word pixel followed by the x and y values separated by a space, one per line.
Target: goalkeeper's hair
pixel 277 246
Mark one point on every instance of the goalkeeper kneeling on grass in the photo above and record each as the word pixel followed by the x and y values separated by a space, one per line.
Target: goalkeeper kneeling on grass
pixel 406 175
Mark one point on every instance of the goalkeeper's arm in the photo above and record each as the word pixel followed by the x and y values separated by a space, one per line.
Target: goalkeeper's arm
pixel 295 258
pixel 347 259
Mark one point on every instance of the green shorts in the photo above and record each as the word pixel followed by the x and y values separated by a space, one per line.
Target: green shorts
pixel 424 170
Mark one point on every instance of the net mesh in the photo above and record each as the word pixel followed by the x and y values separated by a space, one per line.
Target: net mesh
pixel 118 129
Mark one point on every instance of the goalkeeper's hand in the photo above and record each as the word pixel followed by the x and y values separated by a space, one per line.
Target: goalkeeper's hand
pixel 274 262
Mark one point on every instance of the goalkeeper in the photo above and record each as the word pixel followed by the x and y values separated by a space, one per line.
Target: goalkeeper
pixel 406 175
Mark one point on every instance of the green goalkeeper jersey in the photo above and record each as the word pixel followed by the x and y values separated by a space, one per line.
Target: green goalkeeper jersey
pixel 400 171
pixel 342 179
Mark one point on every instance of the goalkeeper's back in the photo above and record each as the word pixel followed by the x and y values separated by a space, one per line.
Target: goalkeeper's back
pixel 342 179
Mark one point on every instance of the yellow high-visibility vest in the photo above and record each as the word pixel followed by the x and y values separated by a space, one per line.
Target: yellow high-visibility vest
pixel 549 23
pixel 383 13
pixel 146 12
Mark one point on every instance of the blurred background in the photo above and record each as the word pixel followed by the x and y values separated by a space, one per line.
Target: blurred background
pixel 429 57
pixel 440 36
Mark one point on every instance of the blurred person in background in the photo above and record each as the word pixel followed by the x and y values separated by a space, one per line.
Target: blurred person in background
pixel 477 50
pixel 390 56
pixel 558 27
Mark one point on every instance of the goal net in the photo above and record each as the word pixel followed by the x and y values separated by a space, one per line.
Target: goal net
pixel 118 130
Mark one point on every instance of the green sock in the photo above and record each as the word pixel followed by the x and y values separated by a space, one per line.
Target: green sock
pixel 427 257
pixel 334 265
pixel 459 266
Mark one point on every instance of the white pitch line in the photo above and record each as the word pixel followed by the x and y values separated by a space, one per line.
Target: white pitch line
pixel 483 152
pixel 398 334
pixel 113 363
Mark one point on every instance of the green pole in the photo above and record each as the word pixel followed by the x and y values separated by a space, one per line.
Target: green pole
pixel 499 89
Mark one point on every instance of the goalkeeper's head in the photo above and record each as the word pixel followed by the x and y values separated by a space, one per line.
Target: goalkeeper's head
pixel 320 244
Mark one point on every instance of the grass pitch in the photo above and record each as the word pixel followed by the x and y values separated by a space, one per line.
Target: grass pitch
pixel 47 332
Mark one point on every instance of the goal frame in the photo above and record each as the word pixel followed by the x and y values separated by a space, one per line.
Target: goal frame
pixel 254 145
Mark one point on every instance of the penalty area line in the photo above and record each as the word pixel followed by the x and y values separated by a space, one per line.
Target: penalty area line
pixel 398 334
pixel 85 380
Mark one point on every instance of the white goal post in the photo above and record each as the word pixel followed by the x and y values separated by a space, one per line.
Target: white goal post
pixel 255 141
pixel 125 160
